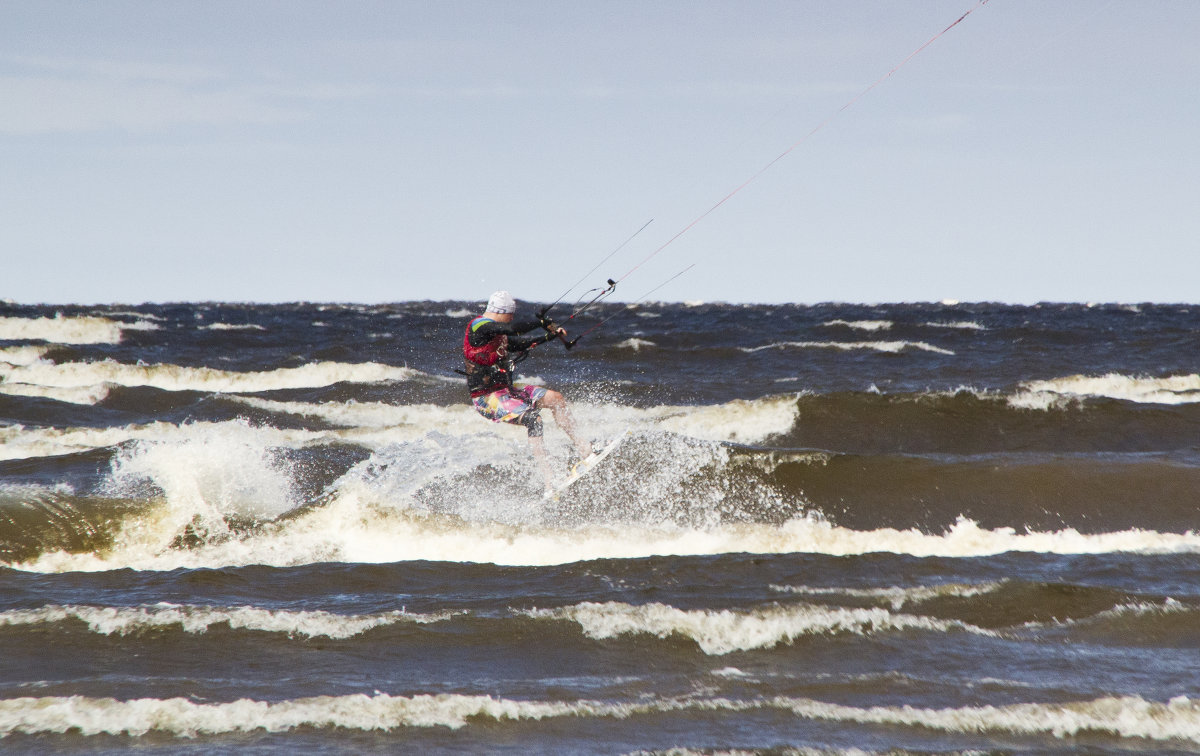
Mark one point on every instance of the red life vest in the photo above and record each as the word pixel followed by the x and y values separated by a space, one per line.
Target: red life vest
pixel 485 370
pixel 487 354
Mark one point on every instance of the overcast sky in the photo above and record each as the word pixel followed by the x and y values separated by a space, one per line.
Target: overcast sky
pixel 388 151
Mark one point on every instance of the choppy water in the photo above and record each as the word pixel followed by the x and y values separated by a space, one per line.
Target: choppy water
pixel 837 528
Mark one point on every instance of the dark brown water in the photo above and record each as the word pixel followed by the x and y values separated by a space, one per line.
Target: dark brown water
pixel 839 528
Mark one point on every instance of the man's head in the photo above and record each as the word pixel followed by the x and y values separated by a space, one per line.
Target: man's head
pixel 502 303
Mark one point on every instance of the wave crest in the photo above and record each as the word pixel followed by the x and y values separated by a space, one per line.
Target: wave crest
pixel 107 620
pixel 62 329
pixel 725 631
pixel 1124 716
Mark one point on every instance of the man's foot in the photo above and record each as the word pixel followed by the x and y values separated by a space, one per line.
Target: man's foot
pixel 578 453
pixel 582 460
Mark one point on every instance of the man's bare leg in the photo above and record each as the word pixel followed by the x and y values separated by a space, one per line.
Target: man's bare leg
pixel 543 459
pixel 558 405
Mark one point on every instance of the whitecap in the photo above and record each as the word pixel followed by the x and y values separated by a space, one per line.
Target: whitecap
pixel 861 325
pixel 720 632
pixel 1177 389
pixel 62 329
pixel 896 596
pixel 635 344
pixel 22 355
pixel 1122 716
pixel 179 378
pixel 233 327
pixel 965 325
pixel 193 619
pixel 892 347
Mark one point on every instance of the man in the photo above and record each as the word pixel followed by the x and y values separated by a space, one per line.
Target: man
pixel 492 346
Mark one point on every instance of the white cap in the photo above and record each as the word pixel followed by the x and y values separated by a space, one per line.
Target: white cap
pixel 502 303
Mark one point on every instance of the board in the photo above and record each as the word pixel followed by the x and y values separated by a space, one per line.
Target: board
pixel 584 466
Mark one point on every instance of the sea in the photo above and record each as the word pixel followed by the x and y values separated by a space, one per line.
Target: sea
pixel 931 528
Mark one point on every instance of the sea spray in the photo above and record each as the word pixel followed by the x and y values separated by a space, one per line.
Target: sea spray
pixel 206 477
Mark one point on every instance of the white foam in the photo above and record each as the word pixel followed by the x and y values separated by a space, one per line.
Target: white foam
pixel 183 717
pixel 140 325
pixel 71 394
pixel 892 347
pixel 19 442
pixel 144 317
pixel 407 420
pixel 198 619
pixel 34 491
pixel 375 424
pixel 965 325
pixel 746 421
pixel 897 596
pixel 1127 717
pixel 730 672
pixel 204 474
pixel 62 329
pixel 1123 717
pixel 22 355
pixel 861 325
pixel 635 344
pixel 233 327
pixel 1141 608
pixel 1177 389
pixel 725 631
pixel 24 443
pixel 207 473
pixel 1132 609
pixel 178 378
pixel 738 420
pixel 369 522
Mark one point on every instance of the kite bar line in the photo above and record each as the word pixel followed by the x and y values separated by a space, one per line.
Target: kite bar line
pixel 627 307
pixel 611 284
pixel 805 138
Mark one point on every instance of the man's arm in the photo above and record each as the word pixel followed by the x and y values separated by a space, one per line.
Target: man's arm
pixel 484 333
pixel 518 344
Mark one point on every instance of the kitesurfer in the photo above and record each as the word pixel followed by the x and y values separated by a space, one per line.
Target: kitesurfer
pixel 492 345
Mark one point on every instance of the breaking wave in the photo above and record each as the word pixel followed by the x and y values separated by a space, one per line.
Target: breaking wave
pixel 861 325
pixel 1125 717
pixel 198 619
pixel 891 347
pixel 726 631
pixel 62 329
pixel 354 527
pixel 1176 389
pixel 75 375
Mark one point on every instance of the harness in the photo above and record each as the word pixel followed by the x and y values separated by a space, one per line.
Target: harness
pixel 485 367
pixel 488 370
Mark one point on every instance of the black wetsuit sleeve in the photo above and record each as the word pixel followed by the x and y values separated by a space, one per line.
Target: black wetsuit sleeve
pixel 484 333
pixel 518 344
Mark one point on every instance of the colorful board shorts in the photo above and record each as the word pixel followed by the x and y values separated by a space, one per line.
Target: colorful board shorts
pixel 508 405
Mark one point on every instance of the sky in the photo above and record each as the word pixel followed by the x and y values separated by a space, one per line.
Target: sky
pixel 374 152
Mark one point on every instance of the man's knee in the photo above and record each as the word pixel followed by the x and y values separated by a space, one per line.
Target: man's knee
pixel 533 423
pixel 551 399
